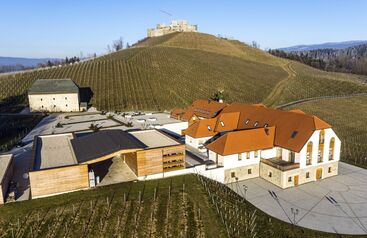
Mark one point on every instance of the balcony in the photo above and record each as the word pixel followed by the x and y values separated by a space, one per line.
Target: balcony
pixel 280 164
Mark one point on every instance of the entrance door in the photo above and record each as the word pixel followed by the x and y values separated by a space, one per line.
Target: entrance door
pixel 296 177
pixel 319 173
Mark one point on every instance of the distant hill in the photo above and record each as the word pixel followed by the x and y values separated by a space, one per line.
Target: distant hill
pixel 170 71
pixel 329 45
pixel 26 62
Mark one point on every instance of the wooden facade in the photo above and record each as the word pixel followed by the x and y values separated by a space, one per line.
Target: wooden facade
pixel 59 180
pixel 156 160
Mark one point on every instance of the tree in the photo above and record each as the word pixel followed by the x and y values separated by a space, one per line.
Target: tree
pixel 118 44
pixel 254 44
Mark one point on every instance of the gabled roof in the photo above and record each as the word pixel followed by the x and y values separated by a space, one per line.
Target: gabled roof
pixel 207 108
pixel 202 128
pixel 293 128
pixel 236 142
pixel 103 143
pixel 53 86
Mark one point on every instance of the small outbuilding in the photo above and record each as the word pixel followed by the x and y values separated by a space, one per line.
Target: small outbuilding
pixel 54 95
pixel 6 173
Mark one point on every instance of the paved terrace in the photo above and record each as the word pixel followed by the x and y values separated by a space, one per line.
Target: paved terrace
pixel 337 204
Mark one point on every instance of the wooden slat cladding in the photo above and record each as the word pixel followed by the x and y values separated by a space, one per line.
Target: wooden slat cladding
pixel 59 180
pixel 149 162
pixel 178 149
pixel 131 161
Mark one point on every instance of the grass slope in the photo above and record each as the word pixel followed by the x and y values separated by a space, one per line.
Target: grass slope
pixel 348 117
pixel 183 206
pixel 173 70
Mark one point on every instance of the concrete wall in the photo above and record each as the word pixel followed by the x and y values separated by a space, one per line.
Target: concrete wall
pixel 68 102
pixel 175 128
pixel 4 184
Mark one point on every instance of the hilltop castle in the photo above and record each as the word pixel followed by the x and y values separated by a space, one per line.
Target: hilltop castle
pixel 175 26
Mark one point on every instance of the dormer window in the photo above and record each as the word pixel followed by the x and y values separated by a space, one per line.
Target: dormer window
pixel 266 125
pixel 294 134
pixel 256 124
pixel 247 121
pixel 209 128
pixel 222 123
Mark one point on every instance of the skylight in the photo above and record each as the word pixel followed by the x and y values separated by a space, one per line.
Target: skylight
pixel 222 123
pixel 209 128
pixel 266 125
pixel 256 123
pixel 247 121
pixel 294 134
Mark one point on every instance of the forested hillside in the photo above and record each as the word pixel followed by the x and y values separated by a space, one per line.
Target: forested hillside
pixel 173 70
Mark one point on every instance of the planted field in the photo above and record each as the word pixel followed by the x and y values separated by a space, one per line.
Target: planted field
pixel 185 206
pixel 14 128
pixel 348 118
pixel 173 70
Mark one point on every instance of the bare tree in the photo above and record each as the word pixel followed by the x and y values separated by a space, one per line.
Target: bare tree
pixel 254 44
pixel 118 44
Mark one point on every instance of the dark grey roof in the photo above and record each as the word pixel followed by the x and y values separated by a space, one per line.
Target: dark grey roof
pixel 102 143
pixel 53 86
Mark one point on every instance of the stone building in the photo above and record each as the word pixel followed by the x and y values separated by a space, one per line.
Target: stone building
pixel 175 26
pixel 54 95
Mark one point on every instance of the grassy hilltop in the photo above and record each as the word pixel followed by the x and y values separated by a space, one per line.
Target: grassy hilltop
pixel 173 70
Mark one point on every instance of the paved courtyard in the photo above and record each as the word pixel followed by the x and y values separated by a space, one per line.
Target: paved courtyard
pixel 337 204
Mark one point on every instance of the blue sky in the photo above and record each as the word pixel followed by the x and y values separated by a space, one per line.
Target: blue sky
pixel 66 28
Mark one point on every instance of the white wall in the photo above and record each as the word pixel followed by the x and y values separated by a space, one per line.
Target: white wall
pixel 68 102
pixel 195 142
pixel 175 127
pixel 329 133
pixel 231 161
pixel 270 153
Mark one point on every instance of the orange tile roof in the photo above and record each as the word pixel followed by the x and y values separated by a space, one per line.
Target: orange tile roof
pixel 201 129
pixel 287 123
pixel 207 108
pixel 236 142
pixel 227 121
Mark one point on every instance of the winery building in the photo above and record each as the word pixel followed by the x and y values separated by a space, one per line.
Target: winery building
pixel 54 95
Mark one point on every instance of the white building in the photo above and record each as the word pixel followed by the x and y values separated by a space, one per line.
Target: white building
pixel 175 26
pixel 54 95
pixel 287 148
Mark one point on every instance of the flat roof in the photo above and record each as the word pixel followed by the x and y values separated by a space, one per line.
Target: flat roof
pixel 103 143
pixel 53 86
pixel 154 138
pixel 54 151
pixel 4 163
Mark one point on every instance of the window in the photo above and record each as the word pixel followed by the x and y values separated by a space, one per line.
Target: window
pixel 266 125
pixel 42 106
pixel 329 170
pixel 309 153
pixel 307 174
pixel 53 98
pixel 322 137
pixel 270 174
pixel 66 98
pixel 222 123
pixel 256 123
pixel 247 121
pixel 319 156
pixel 209 128
pixel 248 155
pixel 331 149
pixel 233 174
pixel 289 179
pixel 291 156
pixel 41 99
pixel 54 105
pixel 256 154
pixel 249 171
pixel 66 105
pixel 239 157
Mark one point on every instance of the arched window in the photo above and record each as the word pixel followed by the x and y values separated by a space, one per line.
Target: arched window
pixel 309 153
pixel 331 148
pixel 322 137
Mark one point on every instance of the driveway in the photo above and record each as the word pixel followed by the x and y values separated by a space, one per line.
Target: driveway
pixel 337 204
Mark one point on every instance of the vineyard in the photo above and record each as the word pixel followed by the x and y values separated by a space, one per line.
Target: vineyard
pixel 173 70
pixel 185 206
pixel 348 118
